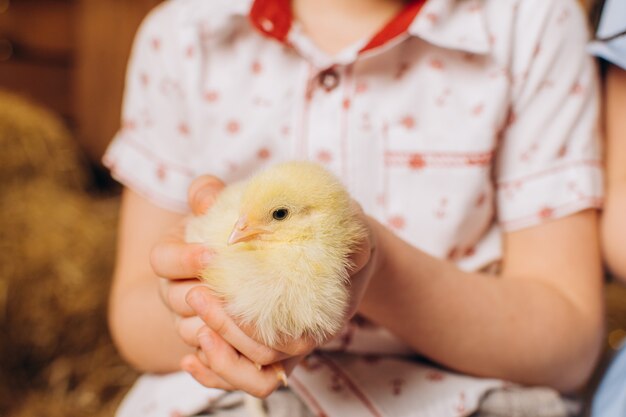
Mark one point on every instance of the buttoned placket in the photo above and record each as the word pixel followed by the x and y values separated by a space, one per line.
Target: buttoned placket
pixel 321 124
pixel 324 118
pixel 325 112
pixel 324 123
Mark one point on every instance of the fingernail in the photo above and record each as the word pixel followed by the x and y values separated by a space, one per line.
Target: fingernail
pixel 186 363
pixel 205 341
pixel 204 199
pixel 196 300
pixel 281 375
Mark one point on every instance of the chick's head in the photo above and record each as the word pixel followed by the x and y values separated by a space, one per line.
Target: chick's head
pixel 291 202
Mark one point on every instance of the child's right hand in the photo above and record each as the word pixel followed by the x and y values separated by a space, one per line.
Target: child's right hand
pixel 178 263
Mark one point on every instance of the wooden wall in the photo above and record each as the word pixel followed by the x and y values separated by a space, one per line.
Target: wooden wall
pixel 106 29
pixel 70 55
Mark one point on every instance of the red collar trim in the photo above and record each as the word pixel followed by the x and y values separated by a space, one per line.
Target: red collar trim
pixel 396 26
pixel 274 18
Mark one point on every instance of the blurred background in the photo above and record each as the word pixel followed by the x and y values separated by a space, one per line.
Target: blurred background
pixel 62 66
pixel 70 56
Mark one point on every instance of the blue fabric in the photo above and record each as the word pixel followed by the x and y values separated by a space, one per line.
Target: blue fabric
pixel 610 399
pixel 612 21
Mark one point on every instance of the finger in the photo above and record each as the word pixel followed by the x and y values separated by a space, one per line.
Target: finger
pixel 203 192
pixel 204 375
pixel 236 369
pixel 362 253
pixel 361 256
pixel 279 370
pixel 211 311
pixel 297 347
pixel 188 329
pixel 368 258
pixel 290 363
pixel 176 259
pixel 173 293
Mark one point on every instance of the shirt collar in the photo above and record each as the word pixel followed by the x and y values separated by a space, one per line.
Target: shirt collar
pixel 215 16
pixel 453 24
pixel 450 24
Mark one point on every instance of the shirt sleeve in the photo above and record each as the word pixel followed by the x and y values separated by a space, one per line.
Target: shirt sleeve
pixel 606 44
pixel 548 162
pixel 149 154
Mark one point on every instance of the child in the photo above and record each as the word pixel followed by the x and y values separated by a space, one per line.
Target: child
pixel 465 129
pixel 610 400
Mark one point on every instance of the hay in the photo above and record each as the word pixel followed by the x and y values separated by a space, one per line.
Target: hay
pixel 56 257
pixel 34 144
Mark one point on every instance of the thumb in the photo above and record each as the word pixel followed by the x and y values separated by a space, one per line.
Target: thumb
pixel 202 193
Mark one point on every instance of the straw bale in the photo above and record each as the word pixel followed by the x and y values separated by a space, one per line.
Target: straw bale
pixel 36 143
pixel 56 257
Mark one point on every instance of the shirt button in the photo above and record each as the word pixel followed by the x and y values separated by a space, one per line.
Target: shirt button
pixel 329 79
pixel 267 25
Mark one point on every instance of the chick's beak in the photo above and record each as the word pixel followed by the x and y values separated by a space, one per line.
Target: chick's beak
pixel 244 231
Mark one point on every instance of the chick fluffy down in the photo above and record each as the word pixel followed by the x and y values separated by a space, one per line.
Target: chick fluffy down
pixel 290 288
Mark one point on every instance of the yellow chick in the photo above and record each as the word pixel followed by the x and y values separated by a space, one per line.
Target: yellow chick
pixel 282 242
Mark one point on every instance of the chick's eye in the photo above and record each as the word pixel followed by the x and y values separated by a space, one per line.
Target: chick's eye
pixel 280 214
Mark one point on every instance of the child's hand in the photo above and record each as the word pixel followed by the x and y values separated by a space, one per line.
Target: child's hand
pixel 178 263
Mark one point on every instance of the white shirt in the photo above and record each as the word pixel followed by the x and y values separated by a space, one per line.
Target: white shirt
pixel 479 118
